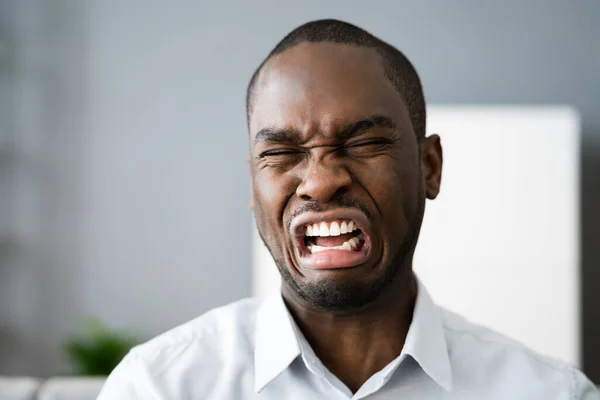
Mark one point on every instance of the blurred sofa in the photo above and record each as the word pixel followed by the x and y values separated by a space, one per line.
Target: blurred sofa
pixel 57 388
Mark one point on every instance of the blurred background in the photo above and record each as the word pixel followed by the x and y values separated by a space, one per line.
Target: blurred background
pixel 123 181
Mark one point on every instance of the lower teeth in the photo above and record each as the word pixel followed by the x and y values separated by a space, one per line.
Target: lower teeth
pixel 349 245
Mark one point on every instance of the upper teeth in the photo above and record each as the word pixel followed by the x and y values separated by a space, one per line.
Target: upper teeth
pixel 334 228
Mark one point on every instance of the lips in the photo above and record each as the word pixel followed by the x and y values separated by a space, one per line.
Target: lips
pixel 332 240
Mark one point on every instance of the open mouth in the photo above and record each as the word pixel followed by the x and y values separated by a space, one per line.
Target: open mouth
pixel 336 235
pixel 337 239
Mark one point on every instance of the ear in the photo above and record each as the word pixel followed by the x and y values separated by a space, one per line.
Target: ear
pixel 431 164
pixel 251 182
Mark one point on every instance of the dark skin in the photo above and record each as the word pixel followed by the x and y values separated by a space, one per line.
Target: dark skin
pixel 314 147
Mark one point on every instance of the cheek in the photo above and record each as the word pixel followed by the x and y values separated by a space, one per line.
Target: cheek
pixel 394 186
pixel 270 197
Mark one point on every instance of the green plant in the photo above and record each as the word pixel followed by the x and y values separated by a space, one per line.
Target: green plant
pixel 99 352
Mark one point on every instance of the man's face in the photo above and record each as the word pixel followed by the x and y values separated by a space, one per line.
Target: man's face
pixel 336 173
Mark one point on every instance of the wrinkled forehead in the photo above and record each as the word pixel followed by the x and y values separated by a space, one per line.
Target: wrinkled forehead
pixel 321 86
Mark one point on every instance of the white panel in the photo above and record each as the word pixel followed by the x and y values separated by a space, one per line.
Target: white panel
pixel 500 244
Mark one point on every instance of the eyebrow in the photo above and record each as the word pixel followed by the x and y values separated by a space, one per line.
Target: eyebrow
pixel 352 129
pixel 271 135
pixel 349 130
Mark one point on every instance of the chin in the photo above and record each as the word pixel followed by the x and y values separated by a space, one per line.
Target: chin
pixel 341 290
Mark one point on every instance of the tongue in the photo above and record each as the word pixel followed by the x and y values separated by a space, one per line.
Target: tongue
pixel 331 241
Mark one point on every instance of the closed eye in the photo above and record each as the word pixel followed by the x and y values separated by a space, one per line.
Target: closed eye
pixel 369 142
pixel 374 143
pixel 281 152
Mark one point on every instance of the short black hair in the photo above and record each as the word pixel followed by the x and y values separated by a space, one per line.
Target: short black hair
pixel 398 68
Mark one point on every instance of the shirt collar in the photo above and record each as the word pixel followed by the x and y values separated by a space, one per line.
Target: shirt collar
pixel 426 340
pixel 277 342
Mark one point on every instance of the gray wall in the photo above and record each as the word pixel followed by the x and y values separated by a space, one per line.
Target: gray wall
pixel 131 190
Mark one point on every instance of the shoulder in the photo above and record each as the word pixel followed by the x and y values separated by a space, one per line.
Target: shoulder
pixel 221 338
pixel 479 354
pixel 189 357
pixel 229 324
pixel 464 334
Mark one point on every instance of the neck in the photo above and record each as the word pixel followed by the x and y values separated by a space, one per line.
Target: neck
pixel 356 344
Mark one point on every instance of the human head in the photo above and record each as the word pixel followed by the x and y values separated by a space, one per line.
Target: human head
pixel 337 131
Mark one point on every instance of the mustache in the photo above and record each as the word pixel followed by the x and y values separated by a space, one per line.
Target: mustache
pixel 343 202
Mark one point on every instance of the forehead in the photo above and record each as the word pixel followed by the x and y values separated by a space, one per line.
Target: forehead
pixel 321 86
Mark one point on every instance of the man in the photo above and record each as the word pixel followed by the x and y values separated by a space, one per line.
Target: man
pixel 340 167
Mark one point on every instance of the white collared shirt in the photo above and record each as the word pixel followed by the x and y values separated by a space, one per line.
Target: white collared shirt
pixel 253 350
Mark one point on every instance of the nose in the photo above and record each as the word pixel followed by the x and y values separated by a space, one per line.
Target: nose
pixel 324 180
